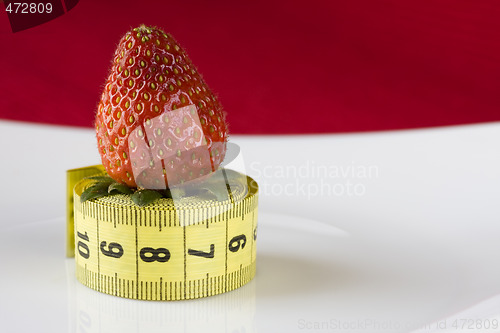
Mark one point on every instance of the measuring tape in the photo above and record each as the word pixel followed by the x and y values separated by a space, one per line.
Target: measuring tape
pixel 168 250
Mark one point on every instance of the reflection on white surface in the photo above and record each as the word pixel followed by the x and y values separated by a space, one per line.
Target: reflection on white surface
pixel 91 311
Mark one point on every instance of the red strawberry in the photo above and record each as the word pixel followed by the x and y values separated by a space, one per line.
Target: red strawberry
pixel 158 124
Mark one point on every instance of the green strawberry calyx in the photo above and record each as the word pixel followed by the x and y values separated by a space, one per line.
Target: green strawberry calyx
pixel 103 186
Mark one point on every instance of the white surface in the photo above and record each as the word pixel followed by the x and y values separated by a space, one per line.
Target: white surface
pixel 412 240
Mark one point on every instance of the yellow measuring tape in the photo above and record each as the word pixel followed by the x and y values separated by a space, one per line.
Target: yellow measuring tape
pixel 167 250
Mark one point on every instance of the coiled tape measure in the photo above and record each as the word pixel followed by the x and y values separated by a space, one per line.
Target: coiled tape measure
pixel 164 251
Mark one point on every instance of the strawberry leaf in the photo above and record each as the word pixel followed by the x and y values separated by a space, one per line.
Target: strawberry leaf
pixel 97 190
pixel 119 188
pixel 145 197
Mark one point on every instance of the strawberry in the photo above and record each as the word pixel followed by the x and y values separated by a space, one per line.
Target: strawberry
pixel 158 124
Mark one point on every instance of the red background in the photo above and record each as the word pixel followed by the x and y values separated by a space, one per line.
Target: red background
pixel 277 66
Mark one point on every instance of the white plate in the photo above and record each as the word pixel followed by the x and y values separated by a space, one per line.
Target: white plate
pixel 311 276
pixel 419 244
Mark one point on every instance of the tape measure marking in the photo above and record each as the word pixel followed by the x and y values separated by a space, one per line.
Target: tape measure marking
pixel 136 253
